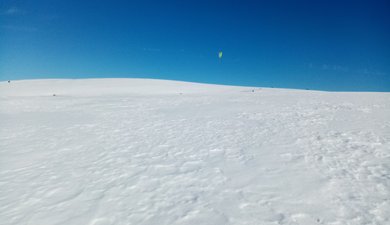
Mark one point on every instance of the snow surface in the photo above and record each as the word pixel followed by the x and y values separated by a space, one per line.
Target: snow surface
pixel 138 151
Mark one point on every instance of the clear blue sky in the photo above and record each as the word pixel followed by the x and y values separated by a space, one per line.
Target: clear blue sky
pixel 326 45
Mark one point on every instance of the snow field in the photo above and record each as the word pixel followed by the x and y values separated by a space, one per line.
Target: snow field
pixel 135 151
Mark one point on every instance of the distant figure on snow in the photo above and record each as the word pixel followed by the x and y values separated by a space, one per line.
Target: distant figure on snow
pixel 54 95
pixel 9 81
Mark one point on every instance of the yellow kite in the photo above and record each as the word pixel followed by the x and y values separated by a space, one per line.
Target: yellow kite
pixel 220 55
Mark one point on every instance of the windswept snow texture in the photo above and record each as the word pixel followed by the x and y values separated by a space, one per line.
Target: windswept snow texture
pixel 137 151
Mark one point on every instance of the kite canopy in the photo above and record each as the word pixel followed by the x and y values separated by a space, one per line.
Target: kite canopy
pixel 220 55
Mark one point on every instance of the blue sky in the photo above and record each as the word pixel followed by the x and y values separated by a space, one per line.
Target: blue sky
pixel 327 45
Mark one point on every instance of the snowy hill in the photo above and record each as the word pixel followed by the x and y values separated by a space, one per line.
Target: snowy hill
pixel 99 87
pixel 139 151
